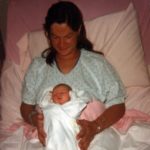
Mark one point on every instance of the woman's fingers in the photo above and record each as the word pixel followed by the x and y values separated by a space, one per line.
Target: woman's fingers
pixel 40 120
pixel 82 124
pixel 40 128
pixel 41 136
pixel 81 134
pixel 84 143
pixel 86 134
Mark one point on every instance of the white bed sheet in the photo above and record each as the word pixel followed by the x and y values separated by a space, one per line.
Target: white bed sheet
pixel 137 138
pixel 138 98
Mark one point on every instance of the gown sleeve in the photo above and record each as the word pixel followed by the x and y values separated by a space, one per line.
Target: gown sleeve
pixel 114 88
pixel 30 81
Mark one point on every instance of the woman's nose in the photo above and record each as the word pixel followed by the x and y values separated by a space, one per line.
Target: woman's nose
pixel 62 43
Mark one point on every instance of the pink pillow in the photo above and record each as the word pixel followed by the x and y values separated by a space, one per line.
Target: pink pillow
pixel 93 110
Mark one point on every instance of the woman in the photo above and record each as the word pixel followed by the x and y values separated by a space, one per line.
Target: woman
pixel 70 60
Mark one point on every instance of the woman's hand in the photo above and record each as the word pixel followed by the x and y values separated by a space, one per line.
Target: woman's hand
pixel 40 127
pixel 88 129
pixel 36 119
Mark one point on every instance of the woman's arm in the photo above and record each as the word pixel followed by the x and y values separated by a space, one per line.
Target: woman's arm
pixel 110 116
pixel 89 129
pixel 26 111
pixel 34 118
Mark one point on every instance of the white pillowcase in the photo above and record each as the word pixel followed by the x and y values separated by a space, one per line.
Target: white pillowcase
pixel 10 98
pixel 117 36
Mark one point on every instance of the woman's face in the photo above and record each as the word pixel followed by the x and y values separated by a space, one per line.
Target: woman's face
pixel 63 39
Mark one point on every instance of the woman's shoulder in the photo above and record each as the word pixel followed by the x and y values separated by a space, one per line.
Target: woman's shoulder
pixel 92 56
pixel 38 61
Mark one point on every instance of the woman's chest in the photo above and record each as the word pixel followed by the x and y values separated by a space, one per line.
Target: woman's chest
pixel 79 79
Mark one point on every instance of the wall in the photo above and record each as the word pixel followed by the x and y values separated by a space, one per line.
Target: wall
pixel 29 15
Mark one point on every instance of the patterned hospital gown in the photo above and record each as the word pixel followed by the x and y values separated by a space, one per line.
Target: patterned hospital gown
pixel 92 73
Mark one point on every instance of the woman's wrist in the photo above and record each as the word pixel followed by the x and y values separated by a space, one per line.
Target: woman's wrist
pixel 100 122
pixel 30 117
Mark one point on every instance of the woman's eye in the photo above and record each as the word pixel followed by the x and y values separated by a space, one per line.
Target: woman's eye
pixel 69 36
pixel 54 36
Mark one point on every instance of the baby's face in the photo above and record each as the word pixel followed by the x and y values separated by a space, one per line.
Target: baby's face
pixel 60 95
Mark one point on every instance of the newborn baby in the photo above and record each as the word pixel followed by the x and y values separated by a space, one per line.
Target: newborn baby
pixel 61 108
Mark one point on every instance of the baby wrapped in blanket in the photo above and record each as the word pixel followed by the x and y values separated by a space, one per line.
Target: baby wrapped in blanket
pixel 60 114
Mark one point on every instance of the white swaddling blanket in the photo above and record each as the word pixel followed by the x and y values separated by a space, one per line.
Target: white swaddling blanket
pixel 60 121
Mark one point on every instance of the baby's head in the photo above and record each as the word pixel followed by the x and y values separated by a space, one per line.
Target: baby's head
pixel 60 93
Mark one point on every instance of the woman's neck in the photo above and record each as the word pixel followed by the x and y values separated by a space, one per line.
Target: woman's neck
pixel 71 56
pixel 66 63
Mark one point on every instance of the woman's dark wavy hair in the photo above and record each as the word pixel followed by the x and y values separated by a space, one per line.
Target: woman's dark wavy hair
pixel 65 12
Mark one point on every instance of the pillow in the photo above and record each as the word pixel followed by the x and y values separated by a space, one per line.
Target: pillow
pixel 24 55
pixel 93 110
pixel 10 98
pixel 37 43
pixel 117 36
